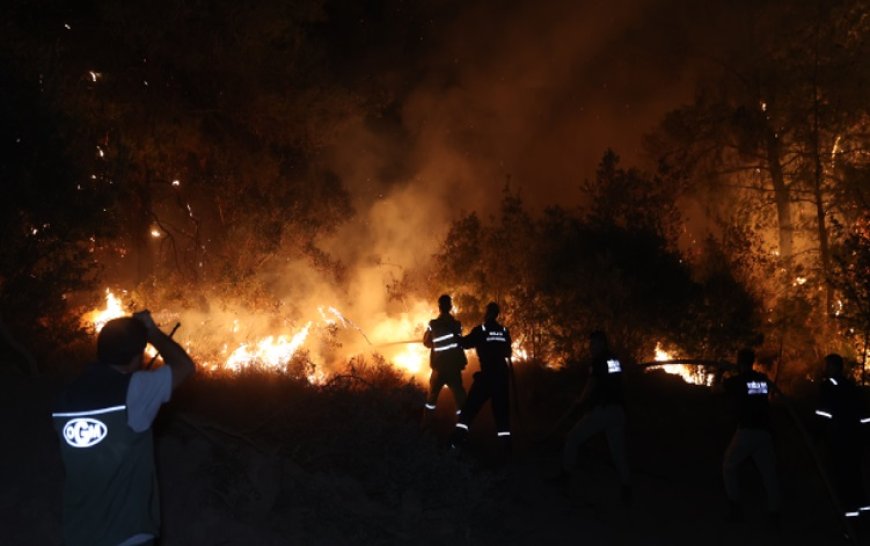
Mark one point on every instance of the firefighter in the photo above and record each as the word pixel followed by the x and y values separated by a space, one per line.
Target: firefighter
pixel 492 341
pixel 103 420
pixel 749 392
pixel 604 410
pixel 443 337
pixel 841 418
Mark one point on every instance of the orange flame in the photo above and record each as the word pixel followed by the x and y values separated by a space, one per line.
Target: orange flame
pixel 690 374
pixel 98 318
pixel 268 353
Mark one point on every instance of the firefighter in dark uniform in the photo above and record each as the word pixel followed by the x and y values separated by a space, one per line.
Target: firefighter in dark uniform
pixel 604 406
pixel 749 392
pixel 492 341
pixel 841 417
pixel 447 359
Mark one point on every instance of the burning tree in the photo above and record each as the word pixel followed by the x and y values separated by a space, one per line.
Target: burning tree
pixel 852 281
pixel 767 145
pixel 612 265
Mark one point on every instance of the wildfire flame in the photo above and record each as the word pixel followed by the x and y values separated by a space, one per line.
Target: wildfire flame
pixel 275 352
pixel 98 318
pixel 519 352
pixel 694 375
pixel 270 352
pixel 411 358
pixel 396 337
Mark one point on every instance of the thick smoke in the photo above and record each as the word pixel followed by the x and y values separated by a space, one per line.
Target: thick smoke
pixel 528 94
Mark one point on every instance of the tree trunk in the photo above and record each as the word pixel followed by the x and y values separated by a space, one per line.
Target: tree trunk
pixel 818 197
pixel 782 198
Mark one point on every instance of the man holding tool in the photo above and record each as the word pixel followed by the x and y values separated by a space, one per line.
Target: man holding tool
pixel 103 420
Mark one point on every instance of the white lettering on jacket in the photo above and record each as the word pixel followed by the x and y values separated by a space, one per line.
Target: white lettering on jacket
pixel 84 432
pixel 756 387
pixel 613 366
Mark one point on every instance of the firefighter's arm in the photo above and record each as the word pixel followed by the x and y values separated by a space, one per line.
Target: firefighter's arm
pixel 173 354
pixel 470 341
pixel 427 337
pixel 824 408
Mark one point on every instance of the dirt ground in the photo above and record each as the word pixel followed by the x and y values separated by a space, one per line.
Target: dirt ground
pixel 270 464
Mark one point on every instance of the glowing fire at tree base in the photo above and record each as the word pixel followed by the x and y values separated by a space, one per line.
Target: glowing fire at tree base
pixel 695 375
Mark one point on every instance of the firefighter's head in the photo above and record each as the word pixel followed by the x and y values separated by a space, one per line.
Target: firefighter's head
pixel 492 312
pixel 833 365
pixel 121 343
pixel 445 304
pixel 745 359
pixel 598 343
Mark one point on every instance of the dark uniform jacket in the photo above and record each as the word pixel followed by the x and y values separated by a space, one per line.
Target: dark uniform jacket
pixel 492 341
pixel 840 406
pixel 110 492
pixel 444 337
pixel 750 392
pixel 607 371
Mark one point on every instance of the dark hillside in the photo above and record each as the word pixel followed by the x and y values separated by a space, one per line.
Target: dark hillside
pixel 265 460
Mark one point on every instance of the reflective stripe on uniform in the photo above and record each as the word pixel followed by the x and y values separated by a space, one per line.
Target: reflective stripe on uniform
pixel 442 338
pixel 865 420
pixel 864 508
pixel 458 412
pixel 451 346
pixel 824 414
pixel 89 412
pixel 832 380
pixel 462 426
pixel 430 406
pixel 853 514
pixel 504 433
pixel 503 340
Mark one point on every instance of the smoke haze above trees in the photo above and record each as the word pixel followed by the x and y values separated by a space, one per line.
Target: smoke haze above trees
pixel 337 141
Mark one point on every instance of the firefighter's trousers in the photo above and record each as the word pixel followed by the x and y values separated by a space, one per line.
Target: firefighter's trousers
pixel 611 420
pixel 489 385
pixel 845 461
pixel 758 444
pixel 452 378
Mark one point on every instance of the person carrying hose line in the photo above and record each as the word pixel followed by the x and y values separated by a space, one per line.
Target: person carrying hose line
pixel 447 359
